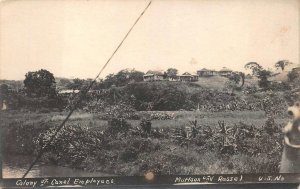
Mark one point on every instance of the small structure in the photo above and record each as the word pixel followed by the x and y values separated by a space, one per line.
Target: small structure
pixel 188 77
pixel 225 72
pixel 153 76
pixel 206 73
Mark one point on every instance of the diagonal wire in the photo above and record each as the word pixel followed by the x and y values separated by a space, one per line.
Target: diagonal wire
pixel 81 95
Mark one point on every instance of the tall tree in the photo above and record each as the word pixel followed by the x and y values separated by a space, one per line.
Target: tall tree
pixel 3 91
pixel 3 96
pixel 137 76
pixel 282 64
pixel 172 72
pixel 231 85
pixel 40 84
pixel 110 80
pixel 123 77
pixel 255 67
pixel 238 77
pixel 235 77
pixel 260 73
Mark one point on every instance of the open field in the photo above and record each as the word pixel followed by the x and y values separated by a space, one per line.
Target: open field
pixel 88 143
pixel 179 118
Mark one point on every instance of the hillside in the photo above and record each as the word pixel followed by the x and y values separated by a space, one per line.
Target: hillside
pixel 215 82
pixel 218 82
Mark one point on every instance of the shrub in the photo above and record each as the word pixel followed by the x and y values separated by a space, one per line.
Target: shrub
pixel 64 149
pixel 20 101
pixel 146 125
pixel 269 127
pixel 250 89
pixel 129 154
pixel 118 125
pixel 19 137
pixel 293 75
pixel 168 151
pixel 161 96
pixel 280 86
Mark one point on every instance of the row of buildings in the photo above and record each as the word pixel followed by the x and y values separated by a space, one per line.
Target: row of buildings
pixel 158 75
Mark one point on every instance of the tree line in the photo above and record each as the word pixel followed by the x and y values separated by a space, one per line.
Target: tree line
pixel 42 83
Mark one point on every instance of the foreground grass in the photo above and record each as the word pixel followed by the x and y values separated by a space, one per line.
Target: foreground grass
pixel 181 118
pixel 91 148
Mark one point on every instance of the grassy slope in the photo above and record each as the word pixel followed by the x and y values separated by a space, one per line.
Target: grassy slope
pixel 181 118
pixel 215 82
pixel 218 82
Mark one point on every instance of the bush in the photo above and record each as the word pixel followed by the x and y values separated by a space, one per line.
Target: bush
pixel 19 137
pixel 64 149
pixel 118 125
pixel 282 86
pixel 270 125
pixel 117 151
pixel 160 96
pixel 129 154
pixel 250 89
pixel 146 125
pixel 20 101
pixel 293 75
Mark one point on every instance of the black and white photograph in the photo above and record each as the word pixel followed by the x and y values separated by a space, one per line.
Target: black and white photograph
pixel 98 88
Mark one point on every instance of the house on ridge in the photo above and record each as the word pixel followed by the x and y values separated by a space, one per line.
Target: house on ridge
pixel 225 72
pixel 153 76
pixel 206 73
pixel 188 77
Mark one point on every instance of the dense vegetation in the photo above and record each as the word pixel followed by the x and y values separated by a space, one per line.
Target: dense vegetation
pixel 126 147
pixel 40 91
pixel 126 126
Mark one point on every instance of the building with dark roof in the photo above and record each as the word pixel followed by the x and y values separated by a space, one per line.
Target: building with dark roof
pixel 225 72
pixel 188 77
pixel 153 76
pixel 206 72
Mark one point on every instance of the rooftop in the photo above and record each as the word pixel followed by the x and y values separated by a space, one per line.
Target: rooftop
pixel 154 72
pixel 204 70
pixel 224 69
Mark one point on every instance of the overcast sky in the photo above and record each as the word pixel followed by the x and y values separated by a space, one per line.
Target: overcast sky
pixel 74 38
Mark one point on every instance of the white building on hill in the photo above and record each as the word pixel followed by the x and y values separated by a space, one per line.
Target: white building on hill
pixel 206 72
pixel 188 77
pixel 153 76
pixel 225 72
